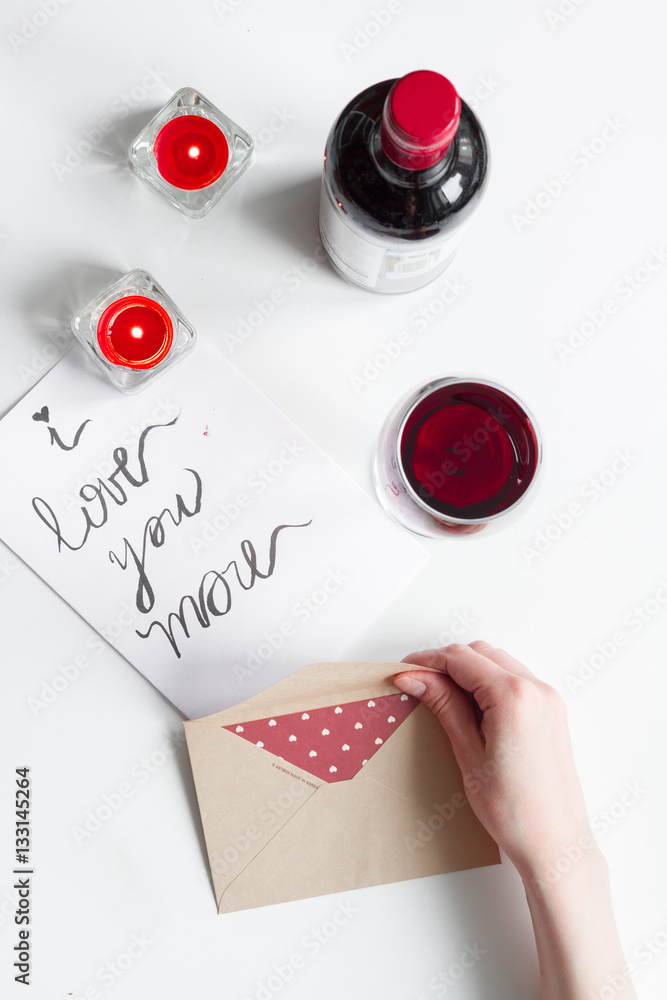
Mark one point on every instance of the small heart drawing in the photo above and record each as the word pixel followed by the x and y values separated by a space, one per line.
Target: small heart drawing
pixel 325 732
pixel 358 725
pixel 313 753
pixel 42 414
pixel 371 704
pixel 338 710
pixel 305 715
pixel 272 722
pixel 345 746
pixel 292 739
pixel 259 743
pixel 391 719
pixel 378 741
pixel 404 697
pixel 333 769
pixel 239 729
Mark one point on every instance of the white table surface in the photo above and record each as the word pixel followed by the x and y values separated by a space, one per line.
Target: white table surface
pixel 545 91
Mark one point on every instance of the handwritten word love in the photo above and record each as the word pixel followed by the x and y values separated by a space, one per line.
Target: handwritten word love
pixel 98 494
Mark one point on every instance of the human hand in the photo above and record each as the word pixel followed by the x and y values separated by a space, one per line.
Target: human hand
pixel 510 736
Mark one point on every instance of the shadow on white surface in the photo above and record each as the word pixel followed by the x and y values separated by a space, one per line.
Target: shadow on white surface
pixel 289 213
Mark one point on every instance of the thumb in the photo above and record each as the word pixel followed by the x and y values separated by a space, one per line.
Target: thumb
pixel 451 706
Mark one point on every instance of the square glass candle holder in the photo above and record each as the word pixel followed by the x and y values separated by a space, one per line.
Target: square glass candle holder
pixel 191 153
pixel 133 331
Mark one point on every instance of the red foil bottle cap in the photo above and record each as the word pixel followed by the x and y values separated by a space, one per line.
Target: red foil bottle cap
pixel 135 332
pixel 420 119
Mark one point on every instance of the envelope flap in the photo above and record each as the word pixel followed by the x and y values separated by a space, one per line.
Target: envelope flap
pixel 314 686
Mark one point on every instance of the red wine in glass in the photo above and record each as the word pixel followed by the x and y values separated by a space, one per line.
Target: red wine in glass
pixel 460 454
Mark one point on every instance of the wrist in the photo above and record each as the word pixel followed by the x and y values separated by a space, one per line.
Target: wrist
pixel 575 865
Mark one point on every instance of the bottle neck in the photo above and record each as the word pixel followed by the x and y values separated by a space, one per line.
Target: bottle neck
pixel 407 176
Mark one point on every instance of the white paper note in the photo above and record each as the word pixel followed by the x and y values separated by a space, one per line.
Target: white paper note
pixel 195 527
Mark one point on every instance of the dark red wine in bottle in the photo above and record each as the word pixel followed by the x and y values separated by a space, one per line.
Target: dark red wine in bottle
pixel 404 168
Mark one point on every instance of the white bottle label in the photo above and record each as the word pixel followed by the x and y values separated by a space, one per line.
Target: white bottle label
pixel 369 259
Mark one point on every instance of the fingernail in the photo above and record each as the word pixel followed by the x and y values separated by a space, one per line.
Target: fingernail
pixel 410 685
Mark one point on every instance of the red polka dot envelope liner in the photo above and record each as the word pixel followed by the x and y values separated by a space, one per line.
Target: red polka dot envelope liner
pixel 332 743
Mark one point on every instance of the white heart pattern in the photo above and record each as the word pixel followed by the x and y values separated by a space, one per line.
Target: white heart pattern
pixel 364 729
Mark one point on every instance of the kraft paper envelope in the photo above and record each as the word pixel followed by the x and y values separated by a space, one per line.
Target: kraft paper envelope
pixel 275 831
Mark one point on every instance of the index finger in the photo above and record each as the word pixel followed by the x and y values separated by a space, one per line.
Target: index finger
pixel 474 671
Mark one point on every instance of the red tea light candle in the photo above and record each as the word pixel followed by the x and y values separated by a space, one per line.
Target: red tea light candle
pixel 191 152
pixel 135 332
